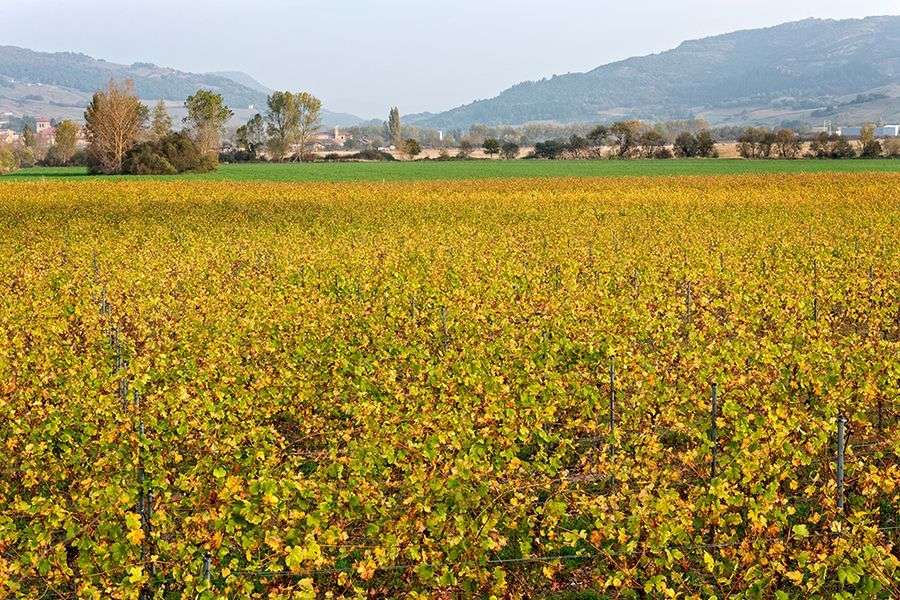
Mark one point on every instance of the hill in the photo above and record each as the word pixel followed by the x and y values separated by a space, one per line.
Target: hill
pixel 60 85
pixel 807 70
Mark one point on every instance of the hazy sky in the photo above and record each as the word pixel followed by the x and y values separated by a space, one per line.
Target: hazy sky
pixel 362 56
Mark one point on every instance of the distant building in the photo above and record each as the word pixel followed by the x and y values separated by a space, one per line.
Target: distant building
pixel 330 140
pixel 46 133
pixel 341 138
pixel 880 132
pixel 850 132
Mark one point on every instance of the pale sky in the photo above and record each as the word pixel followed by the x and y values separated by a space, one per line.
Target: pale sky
pixel 362 56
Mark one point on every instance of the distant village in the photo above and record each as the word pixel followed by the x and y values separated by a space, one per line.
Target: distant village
pixel 44 130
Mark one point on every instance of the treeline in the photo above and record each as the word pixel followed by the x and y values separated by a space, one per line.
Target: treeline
pixel 629 139
pixel 761 143
pixel 624 139
pixel 379 134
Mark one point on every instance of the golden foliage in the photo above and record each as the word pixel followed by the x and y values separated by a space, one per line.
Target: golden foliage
pixel 402 389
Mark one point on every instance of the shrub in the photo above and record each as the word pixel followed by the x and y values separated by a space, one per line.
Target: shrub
pixel 146 159
pixel 891 147
pixel 843 149
pixel 26 157
pixel 372 154
pixel 175 153
pixel 8 161
pixel 465 149
pixel 871 149
pixel 412 148
pixel 238 156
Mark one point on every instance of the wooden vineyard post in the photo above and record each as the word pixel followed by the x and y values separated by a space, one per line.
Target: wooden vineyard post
pixel 841 439
pixel 713 432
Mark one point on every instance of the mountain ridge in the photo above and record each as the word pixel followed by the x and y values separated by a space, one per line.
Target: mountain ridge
pixel 60 84
pixel 789 70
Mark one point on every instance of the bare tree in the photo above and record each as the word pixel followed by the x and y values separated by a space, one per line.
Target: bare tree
pixel 113 121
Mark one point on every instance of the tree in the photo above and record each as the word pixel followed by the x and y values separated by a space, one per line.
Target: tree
pixel 206 117
pixel 867 135
pixel 756 142
pixel 282 121
pixel 625 136
pixel 251 136
pixel 394 127
pixel 510 150
pixel 578 146
pixel 652 142
pixel 465 149
pixel 412 148
pixel 869 146
pixel 29 140
pixel 113 121
pixel 706 144
pixel 598 136
pixel 788 143
pixel 831 146
pixel 161 122
pixel 686 145
pixel 309 111
pixel 491 146
pixel 63 150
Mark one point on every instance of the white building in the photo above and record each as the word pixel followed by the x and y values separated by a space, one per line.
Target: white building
pixel 887 131
pixel 850 132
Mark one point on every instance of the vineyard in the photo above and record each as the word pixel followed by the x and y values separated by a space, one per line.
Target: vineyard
pixel 597 388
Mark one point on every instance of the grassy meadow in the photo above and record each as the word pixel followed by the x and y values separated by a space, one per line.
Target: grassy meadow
pixel 483 169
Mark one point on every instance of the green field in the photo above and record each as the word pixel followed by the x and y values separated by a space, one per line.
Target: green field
pixel 481 169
